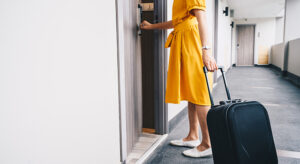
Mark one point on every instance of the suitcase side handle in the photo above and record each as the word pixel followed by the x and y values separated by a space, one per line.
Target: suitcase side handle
pixel 225 84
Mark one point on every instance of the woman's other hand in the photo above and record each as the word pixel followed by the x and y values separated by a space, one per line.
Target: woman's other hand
pixel 145 25
pixel 209 62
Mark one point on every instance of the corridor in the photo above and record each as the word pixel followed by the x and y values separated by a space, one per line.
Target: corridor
pixel 263 84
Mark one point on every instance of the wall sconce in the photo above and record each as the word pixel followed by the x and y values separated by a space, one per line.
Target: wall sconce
pixel 232 24
pixel 226 11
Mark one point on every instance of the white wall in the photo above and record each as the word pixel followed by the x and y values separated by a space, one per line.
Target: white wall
pixel 279 30
pixel 292 34
pixel 266 28
pixel 292 20
pixel 58 82
pixel 224 37
pixel 174 109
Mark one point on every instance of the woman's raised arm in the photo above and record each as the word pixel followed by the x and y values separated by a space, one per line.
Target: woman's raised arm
pixel 145 25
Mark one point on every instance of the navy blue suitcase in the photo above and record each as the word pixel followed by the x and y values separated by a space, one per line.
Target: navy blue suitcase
pixel 240 131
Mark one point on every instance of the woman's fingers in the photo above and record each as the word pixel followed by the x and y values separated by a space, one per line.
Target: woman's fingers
pixel 209 63
pixel 145 25
pixel 214 66
pixel 211 66
pixel 144 22
pixel 212 69
pixel 142 25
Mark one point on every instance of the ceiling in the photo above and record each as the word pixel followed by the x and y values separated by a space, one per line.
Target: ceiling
pixel 257 8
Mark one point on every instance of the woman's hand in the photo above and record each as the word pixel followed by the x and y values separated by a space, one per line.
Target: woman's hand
pixel 209 62
pixel 145 25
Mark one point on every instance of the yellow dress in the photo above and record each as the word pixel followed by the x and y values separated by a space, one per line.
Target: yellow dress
pixel 185 78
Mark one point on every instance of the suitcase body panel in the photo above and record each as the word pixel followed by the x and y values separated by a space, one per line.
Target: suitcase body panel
pixel 240 133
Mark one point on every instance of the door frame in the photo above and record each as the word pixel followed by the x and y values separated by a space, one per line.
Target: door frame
pixel 161 122
pixel 236 40
pixel 215 33
pixel 160 75
pixel 121 79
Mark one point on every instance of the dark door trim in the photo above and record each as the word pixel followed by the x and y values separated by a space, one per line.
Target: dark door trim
pixel 160 70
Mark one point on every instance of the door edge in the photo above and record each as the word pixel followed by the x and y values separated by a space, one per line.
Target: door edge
pixel 121 80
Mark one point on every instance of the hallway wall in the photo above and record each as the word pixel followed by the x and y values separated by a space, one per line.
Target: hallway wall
pixel 294 57
pixel 58 82
pixel 279 30
pixel 224 37
pixel 292 24
pixel 277 55
pixel 289 60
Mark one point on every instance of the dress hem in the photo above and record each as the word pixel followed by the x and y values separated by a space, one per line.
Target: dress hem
pixel 178 101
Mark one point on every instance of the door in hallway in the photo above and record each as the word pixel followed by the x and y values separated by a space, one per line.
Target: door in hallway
pixel 245 45
pixel 154 69
pixel 148 38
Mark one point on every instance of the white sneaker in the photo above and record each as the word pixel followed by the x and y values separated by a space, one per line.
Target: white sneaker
pixel 196 153
pixel 192 143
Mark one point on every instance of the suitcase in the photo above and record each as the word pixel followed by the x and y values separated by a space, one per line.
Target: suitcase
pixel 240 131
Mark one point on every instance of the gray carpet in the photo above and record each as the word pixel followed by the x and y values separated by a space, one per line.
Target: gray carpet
pixel 281 98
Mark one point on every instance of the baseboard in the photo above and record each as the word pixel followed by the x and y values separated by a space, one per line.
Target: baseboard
pixel 175 120
pixel 275 67
pixel 287 75
pixel 261 65
pixel 293 78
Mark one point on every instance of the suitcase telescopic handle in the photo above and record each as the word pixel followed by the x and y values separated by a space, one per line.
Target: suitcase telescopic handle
pixel 221 68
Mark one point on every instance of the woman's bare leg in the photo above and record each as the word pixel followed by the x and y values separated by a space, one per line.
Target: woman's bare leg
pixel 202 113
pixel 193 121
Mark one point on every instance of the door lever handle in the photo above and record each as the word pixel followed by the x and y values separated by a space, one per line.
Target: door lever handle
pixel 143 7
pixel 139 19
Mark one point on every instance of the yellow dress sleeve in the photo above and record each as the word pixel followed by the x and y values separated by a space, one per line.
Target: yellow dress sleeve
pixel 195 4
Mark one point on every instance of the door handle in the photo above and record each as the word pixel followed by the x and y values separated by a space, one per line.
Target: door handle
pixel 143 7
pixel 139 18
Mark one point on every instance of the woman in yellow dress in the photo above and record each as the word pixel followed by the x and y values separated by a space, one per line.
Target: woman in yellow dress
pixel 190 51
